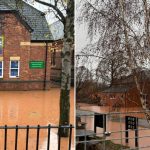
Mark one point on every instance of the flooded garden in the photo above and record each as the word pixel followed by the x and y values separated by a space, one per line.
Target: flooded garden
pixel 32 108
pixel 115 126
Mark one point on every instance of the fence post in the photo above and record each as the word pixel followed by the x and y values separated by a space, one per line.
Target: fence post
pixel 59 138
pixel 126 131
pixel 70 136
pixel 37 139
pixel 95 122
pixel 5 143
pixel 27 137
pixel 16 137
pixel 136 134
pixel 104 130
pixel 48 140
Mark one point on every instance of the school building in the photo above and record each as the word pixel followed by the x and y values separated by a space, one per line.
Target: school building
pixel 27 48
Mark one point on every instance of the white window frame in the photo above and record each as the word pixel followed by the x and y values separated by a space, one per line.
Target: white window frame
pixel 1 76
pixel 10 76
pixel 2 43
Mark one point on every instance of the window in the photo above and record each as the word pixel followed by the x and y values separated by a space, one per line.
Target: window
pixel 53 57
pixel 1 69
pixel 14 68
pixel 1 44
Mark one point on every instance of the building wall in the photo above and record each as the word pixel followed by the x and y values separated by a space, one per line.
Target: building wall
pixel 56 69
pixel 17 44
pixel 128 99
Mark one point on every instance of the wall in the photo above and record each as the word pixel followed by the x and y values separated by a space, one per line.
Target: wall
pixel 56 69
pixel 17 44
pixel 128 99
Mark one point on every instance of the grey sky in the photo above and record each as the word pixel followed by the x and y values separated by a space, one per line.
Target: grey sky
pixel 49 16
pixel 80 31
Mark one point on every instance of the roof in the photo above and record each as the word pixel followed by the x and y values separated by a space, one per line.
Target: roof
pixel 117 89
pixel 4 7
pixel 57 30
pixel 142 75
pixel 127 82
pixel 33 17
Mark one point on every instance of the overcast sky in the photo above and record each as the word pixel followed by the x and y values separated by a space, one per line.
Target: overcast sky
pixel 80 30
pixel 49 16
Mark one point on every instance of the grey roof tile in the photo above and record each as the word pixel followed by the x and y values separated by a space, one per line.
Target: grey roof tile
pixel 117 89
pixel 4 6
pixel 34 18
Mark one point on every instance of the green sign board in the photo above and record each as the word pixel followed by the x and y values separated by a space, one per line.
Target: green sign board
pixel 37 64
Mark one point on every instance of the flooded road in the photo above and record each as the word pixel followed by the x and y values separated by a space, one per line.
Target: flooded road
pixel 32 108
pixel 115 123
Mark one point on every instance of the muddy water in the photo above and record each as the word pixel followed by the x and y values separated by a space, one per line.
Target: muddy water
pixel 116 126
pixel 32 108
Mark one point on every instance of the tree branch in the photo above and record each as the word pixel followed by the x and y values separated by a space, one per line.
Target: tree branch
pixel 63 19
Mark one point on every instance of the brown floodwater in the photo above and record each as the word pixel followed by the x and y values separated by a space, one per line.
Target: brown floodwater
pixel 116 126
pixel 32 108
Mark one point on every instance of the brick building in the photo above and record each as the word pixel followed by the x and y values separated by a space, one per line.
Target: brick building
pixel 57 31
pixel 25 48
pixel 124 92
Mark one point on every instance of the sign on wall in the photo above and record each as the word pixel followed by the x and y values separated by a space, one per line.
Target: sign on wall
pixel 37 64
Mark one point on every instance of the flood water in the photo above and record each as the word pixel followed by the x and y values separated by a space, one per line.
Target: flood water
pixel 32 108
pixel 117 127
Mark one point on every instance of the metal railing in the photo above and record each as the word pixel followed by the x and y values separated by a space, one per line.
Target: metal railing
pixel 107 134
pixel 37 128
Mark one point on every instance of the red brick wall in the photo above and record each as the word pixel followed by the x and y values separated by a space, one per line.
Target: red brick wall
pixel 14 33
pixel 131 98
pixel 56 69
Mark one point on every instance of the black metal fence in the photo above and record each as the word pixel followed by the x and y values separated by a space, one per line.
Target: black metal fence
pixel 37 128
pixel 115 130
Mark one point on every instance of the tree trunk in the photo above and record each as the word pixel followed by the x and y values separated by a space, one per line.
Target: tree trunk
pixel 147 24
pixel 66 68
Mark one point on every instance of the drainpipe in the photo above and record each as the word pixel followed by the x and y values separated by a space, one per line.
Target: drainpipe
pixel 125 101
pixel 45 66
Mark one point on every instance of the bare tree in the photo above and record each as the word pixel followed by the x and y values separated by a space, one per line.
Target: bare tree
pixel 123 25
pixel 83 75
pixel 112 67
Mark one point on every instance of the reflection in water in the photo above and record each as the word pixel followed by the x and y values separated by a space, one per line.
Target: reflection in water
pixel 31 108
pixel 13 111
